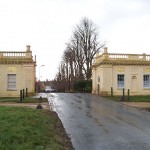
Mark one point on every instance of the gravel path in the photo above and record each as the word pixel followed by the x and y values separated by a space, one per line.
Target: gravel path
pixel 138 104
pixel 45 105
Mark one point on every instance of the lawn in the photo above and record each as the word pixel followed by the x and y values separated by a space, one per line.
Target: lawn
pixel 25 128
pixel 131 98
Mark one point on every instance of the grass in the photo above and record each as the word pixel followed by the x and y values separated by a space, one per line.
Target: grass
pixel 131 98
pixel 26 128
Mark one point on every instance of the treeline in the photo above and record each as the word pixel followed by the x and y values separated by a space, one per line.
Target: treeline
pixel 77 58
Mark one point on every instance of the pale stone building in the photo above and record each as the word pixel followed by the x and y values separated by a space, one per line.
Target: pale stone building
pixel 17 72
pixel 115 72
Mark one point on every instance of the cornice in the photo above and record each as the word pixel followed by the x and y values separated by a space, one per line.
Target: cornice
pixel 127 62
pixel 16 61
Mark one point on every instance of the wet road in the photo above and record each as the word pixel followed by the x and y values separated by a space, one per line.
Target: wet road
pixel 94 123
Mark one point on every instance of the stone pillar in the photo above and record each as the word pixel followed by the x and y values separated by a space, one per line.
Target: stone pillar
pixel 28 48
pixel 28 52
pixel 94 80
pixel 105 50
pixel 105 53
pixel 144 56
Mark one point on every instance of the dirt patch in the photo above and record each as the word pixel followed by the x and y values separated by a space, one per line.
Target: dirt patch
pixel 138 104
pixel 66 140
pixel 45 105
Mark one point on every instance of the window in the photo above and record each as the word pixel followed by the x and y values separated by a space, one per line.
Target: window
pixel 120 80
pixel 146 80
pixel 11 82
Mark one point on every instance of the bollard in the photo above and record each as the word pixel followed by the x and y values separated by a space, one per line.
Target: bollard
pixel 123 95
pixel 40 99
pixel 20 95
pixel 111 91
pixel 128 94
pixel 122 98
pixel 23 94
pixel 39 106
pixel 26 92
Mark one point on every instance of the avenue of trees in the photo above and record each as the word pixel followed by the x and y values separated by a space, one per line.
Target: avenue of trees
pixel 76 63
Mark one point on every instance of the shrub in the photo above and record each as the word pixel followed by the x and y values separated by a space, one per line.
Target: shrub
pixel 83 85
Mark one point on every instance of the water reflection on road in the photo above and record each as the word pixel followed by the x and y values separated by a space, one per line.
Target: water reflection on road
pixel 94 123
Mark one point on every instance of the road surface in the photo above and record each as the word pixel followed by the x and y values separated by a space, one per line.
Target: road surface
pixel 95 123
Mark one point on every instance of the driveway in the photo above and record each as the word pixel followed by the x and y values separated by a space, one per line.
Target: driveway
pixel 95 123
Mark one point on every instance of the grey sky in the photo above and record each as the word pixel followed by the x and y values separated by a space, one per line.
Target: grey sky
pixel 48 24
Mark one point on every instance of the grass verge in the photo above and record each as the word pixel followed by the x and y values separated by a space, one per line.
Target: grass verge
pixel 26 128
pixel 131 98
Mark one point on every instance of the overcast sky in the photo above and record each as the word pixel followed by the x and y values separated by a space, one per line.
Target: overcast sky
pixel 47 25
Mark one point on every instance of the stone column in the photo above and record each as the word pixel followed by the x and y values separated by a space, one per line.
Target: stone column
pixel 28 48
pixel 28 52
pixel 94 80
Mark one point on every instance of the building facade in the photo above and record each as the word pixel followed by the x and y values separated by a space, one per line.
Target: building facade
pixel 17 72
pixel 111 73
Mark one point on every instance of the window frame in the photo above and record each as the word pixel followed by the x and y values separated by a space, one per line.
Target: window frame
pixel 11 82
pixel 146 85
pixel 119 80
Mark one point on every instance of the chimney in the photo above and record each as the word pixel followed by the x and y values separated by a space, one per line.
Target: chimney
pixel 28 48
pixel 105 50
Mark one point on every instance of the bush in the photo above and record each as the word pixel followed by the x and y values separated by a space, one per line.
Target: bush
pixel 83 85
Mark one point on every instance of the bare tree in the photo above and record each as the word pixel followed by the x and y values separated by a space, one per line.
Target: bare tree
pixel 88 35
pixel 78 58
pixel 80 50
